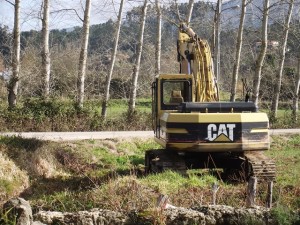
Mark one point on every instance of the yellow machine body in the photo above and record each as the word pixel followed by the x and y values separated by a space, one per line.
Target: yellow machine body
pixel 181 125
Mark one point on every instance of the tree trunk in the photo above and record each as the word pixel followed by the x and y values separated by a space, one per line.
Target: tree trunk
pixel 239 44
pixel 277 87
pixel 189 17
pixel 136 68
pixel 13 84
pixel 251 192
pixel 270 194
pixel 158 39
pixel 45 50
pixel 296 93
pixel 83 54
pixel 262 53
pixel 213 40
pixel 112 63
pixel 217 43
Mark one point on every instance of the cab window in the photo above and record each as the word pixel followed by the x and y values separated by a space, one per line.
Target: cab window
pixel 175 92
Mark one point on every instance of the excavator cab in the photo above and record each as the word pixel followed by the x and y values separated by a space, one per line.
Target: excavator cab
pixel 169 91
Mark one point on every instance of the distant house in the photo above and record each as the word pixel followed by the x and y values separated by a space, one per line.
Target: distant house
pixel 271 45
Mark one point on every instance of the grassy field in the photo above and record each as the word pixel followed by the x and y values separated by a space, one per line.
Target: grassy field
pixel 109 174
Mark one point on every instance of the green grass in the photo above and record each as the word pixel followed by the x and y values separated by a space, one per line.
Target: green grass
pixel 284 119
pixel 170 182
pixel 286 152
pixel 119 107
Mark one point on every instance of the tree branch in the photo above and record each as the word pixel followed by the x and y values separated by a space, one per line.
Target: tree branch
pixel 10 2
pixel 61 10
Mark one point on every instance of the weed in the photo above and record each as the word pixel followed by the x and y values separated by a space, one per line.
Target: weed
pixel 6 187
pixel 12 179
pixel 6 219
pixel 124 194
pixel 244 220
pixel 285 216
pixel 170 182
pixel 284 150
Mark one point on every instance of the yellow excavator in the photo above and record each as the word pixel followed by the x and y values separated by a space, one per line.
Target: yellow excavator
pixel 196 129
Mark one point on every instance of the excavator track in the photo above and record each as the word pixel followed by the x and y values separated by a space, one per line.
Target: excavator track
pixel 261 166
pixel 160 160
pixel 252 163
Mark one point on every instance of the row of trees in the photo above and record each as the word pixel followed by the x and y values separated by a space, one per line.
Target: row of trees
pixel 126 54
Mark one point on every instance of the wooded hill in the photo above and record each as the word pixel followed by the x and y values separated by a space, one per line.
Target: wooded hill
pixel 65 47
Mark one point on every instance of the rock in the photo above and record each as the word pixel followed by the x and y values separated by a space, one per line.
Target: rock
pixel 206 215
pixel 93 217
pixel 181 216
pixel 38 223
pixel 221 214
pixel 20 209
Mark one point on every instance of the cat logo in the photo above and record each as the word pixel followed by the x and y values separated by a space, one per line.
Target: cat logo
pixel 220 132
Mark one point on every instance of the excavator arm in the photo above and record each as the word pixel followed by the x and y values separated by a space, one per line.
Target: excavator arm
pixel 195 58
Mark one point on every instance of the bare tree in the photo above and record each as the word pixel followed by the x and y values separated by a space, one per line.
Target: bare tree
pixel 83 54
pixel 136 68
pixel 158 38
pixel 261 57
pixel 112 63
pixel 296 93
pixel 278 82
pixel 239 44
pixel 217 31
pixel 45 50
pixel 13 83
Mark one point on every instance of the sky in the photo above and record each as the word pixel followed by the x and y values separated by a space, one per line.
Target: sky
pixel 101 11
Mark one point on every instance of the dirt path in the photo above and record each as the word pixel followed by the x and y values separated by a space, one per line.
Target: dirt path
pixel 71 136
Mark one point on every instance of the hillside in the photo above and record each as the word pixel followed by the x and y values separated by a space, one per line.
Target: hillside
pixel 254 12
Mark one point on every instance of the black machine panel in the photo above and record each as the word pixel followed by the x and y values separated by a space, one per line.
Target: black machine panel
pixel 214 107
pixel 215 132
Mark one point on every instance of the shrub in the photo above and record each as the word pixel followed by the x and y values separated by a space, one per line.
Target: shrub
pixel 35 114
pixel 284 216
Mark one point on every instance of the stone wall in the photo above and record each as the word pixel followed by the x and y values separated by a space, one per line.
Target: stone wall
pixel 203 215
